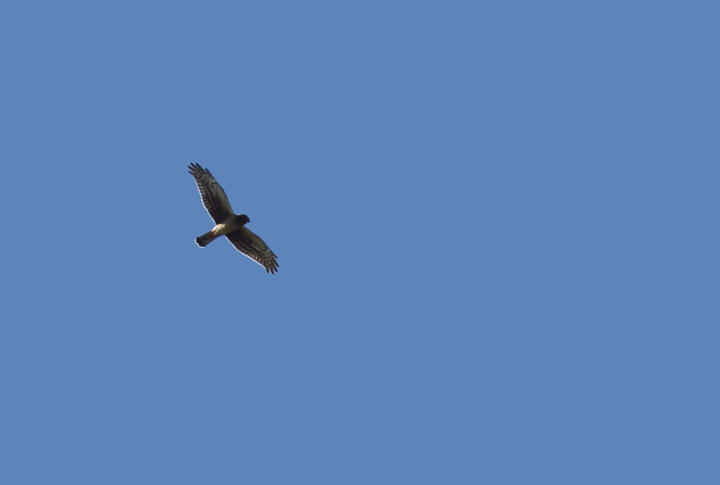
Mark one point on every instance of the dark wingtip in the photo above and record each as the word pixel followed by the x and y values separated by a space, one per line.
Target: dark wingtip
pixel 195 168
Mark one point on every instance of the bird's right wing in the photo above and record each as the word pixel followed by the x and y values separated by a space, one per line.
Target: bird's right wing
pixel 212 194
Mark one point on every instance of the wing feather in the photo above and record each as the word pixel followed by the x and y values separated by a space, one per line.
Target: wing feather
pixel 213 196
pixel 250 244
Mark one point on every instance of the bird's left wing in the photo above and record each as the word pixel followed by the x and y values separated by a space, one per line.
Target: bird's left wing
pixel 250 244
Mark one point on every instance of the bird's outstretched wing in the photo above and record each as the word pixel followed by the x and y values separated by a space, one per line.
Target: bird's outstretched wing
pixel 213 196
pixel 248 243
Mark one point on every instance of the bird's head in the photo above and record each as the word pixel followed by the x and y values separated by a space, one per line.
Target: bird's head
pixel 242 219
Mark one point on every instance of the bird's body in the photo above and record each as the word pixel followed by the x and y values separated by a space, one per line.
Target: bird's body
pixel 229 224
pixel 232 224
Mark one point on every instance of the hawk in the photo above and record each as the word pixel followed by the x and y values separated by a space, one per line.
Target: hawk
pixel 229 224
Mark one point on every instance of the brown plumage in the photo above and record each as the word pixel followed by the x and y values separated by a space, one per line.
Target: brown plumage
pixel 228 223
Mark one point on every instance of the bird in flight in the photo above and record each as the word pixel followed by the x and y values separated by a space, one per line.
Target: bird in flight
pixel 229 224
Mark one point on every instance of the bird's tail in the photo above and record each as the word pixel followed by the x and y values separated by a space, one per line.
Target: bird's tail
pixel 205 239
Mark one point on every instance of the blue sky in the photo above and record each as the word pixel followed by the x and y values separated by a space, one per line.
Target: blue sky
pixel 497 228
